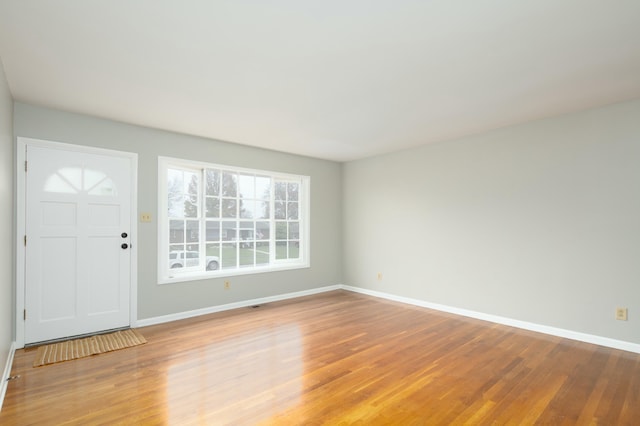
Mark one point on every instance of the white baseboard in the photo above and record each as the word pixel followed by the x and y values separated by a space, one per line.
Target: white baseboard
pixel 553 331
pixel 560 332
pixel 7 373
pixel 242 304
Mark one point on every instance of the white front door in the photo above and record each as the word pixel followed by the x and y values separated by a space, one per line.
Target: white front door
pixel 78 256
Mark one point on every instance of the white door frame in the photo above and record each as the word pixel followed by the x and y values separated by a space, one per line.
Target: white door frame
pixel 22 144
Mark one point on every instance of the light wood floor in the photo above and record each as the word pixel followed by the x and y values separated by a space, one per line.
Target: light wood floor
pixel 333 358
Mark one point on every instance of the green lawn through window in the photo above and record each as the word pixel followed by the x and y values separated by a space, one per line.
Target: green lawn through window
pixel 228 258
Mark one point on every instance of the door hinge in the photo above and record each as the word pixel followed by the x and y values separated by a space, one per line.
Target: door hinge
pixel 25 314
pixel 25 166
pixel 25 240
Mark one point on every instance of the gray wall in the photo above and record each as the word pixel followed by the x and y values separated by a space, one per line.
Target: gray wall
pixel 156 300
pixel 537 222
pixel 6 219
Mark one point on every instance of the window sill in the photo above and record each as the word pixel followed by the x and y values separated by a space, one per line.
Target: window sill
pixel 209 275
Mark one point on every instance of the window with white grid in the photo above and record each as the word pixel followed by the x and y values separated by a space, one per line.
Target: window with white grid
pixel 217 220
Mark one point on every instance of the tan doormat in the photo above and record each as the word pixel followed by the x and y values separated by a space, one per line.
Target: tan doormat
pixel 80 348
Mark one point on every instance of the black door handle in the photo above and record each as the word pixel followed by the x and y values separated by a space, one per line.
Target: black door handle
pixel 124 246
pixel 124 235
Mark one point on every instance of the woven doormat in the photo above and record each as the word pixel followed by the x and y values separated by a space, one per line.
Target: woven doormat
pixel 80 348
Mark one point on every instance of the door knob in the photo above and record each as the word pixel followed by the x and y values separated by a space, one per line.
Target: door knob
pixel 124 235
pixel 124 245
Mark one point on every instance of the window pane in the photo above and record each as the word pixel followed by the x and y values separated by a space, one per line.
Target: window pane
pixel 72 175
pixel 175 196
pixel 281 250
pixel 175 179
pixel 191 206
pixel 176 231
pixel 213 250
pixel 292 211
pixel 292 191
pixel 294 230
pixel 263 187
pixel 229 184
pixel 281 230
pixel 229 231
pixel 193 231
pixel 247 186
pixel 182 193
pixel 246 231
pixel 263 230
pixel 92 178
pixel 262 210
pixel 229 208
pixel 212 262
pixel 213 207
pixel 175 205
pixel 213 231
pixel 262 253
pixel 246 254
pixel 229 255
pixel 191 194
pixel 176 257
pixel 191 180
pixel 279 210
pixel 246 234
pixel 213 182
pixel 281 191
pixel 294 249
pixel 254 209
pixel 192 256
pixel 247 209
pixel 55 183
pixel 105 187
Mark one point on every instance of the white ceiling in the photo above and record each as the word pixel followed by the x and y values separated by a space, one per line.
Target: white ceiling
pixel 334 79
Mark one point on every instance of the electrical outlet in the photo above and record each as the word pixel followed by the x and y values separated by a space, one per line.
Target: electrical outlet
pixel 621 314
pixel 227 285
pixel 145 217
pixel 379 276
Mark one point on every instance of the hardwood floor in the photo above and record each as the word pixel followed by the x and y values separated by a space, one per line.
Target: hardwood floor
pixel 333 358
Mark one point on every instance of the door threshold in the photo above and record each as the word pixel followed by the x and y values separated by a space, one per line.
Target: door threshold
pixel 77 336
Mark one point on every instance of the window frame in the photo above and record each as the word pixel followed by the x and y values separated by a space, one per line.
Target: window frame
pixel 168 276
